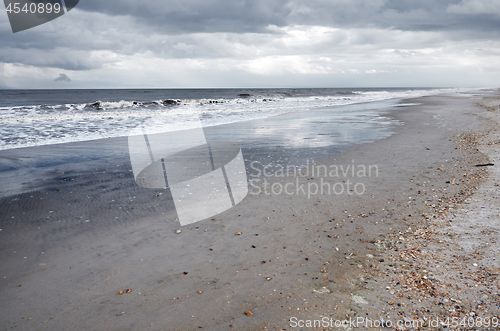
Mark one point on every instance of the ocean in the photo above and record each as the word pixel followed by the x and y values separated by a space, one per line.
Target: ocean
pixel 45 117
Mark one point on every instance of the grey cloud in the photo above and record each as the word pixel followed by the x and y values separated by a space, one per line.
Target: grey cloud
pixel 425 15
pixel 62 78
pixel 471 7
pixel 64 58
pixel 2 74
pixel 361 34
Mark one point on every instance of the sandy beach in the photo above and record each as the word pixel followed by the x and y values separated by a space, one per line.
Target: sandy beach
pixel 412 235
pixel 442 272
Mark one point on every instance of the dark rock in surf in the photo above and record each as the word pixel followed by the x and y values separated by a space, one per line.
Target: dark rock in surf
pixel 96 105
pixel 170 102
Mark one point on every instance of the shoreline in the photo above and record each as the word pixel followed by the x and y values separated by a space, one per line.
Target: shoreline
pixel 321 254
pixel 103 114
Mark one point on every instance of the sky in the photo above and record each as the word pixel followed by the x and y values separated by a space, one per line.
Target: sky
pixel 257 43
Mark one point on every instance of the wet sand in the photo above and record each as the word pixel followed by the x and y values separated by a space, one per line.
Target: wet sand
pixel 82 231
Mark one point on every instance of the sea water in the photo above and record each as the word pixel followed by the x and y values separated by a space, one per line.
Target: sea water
pixel 45 117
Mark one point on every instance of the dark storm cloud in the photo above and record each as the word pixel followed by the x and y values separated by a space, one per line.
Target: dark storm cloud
pixel 181 16
pixel 409 15
pixel 187 16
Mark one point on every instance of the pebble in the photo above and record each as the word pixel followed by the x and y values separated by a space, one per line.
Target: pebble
pixel 359 299
pixel 178 231
pixel 248 313
pixel 323 290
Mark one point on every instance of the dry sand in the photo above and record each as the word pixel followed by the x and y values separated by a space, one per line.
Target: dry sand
pixel 279 256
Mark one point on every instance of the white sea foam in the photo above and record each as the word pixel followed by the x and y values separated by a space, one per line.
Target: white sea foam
pixel 25 126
